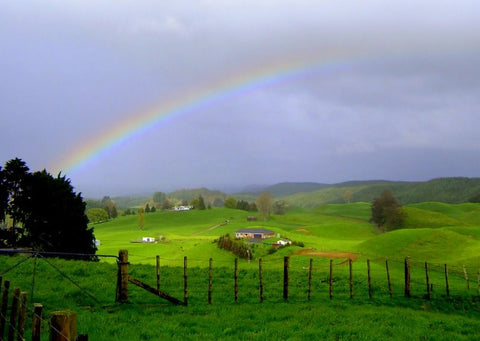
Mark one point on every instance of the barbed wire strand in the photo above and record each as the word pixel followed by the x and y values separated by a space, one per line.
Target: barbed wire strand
pixel 11 326
pixel 71 280
pixel 15 265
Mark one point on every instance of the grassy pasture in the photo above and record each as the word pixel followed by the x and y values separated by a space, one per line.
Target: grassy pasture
pixel 193 233
pixel 435 232
pixel 149 318
pixel 455 239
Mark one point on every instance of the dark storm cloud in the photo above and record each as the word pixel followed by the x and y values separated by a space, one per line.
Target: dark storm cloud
pixel 394 94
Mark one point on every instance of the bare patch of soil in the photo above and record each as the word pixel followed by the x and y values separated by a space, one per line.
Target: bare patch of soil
pixel 331 255
pixel 302 230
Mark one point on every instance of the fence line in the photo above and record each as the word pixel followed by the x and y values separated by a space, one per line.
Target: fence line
pixel 303 279
pixel 15 325
pixel 336 277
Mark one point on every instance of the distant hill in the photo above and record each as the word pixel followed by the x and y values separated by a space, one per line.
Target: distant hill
pixel 288 188
pixel 447 190
pixel 189 194
pixel 311 194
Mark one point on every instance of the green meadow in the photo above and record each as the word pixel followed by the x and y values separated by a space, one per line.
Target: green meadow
pixel 435 233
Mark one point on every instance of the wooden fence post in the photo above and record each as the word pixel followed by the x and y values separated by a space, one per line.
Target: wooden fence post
pixel 427 278
pixel 122 280
pixel 389 280
pixel 330 280
pixel 310 270
pixel 3 311
pixel 235 280
pixel 185 281
pixel 210 281
pixel 260 279
pixel 350 271
pixel 407 277
pixel 285 277
pixel 22 316
pixel 13 314
pixel 369 278
pixel 63 326
pixel 447 286
pixel 157 258
pixel 466 277
pixel 37 322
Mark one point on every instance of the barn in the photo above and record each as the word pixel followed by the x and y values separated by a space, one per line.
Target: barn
pixel 254 234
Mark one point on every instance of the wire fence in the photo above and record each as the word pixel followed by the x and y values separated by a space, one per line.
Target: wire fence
pixel 310 279
pixel 210 281
pixel 307 278
pixel 14 317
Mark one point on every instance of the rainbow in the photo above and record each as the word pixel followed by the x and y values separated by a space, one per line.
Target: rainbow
pixel 139 123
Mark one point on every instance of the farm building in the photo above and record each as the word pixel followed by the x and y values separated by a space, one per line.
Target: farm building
pixel 254 233
pixel 182 208
pixel 284 242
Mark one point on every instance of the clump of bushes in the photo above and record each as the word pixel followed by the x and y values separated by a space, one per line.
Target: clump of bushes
pixel 274 249
pixel 300 244
pixel 237 247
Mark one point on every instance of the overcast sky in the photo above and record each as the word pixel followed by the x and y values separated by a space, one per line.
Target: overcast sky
pixel 356 90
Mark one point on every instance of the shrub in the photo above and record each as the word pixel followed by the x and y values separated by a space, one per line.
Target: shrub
pixel 235 246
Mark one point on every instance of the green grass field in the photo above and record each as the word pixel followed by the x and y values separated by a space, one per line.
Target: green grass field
pixel 434 232
pixel 453 238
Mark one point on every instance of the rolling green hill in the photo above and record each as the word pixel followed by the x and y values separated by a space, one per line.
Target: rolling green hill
pixel 288 188
pixel 446 190
pixel 310 194
pixel 437 231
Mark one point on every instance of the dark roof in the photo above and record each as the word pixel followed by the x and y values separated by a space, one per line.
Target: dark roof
pixel 264 231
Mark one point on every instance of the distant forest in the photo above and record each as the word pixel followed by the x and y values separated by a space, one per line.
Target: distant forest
pixel 309 194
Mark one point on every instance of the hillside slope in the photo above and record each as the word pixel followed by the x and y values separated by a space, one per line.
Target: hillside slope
pixel 446 190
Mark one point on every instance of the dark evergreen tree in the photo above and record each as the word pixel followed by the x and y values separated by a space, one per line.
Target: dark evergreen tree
pixel 51 213
pixel 201 203
pixel 14 175
pixel 198 203
pixel 243 205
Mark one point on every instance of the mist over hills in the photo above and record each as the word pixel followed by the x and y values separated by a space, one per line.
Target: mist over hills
pixel 310 194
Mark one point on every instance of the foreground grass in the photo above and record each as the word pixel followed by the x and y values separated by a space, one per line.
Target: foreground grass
pixel 147 317
pixel 89 288
pixel 281 321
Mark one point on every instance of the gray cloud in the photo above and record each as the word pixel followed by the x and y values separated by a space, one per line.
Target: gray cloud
pixel 391 91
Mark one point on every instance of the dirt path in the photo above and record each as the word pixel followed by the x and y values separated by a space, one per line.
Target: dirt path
pixel 210 228
pixel 310 252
